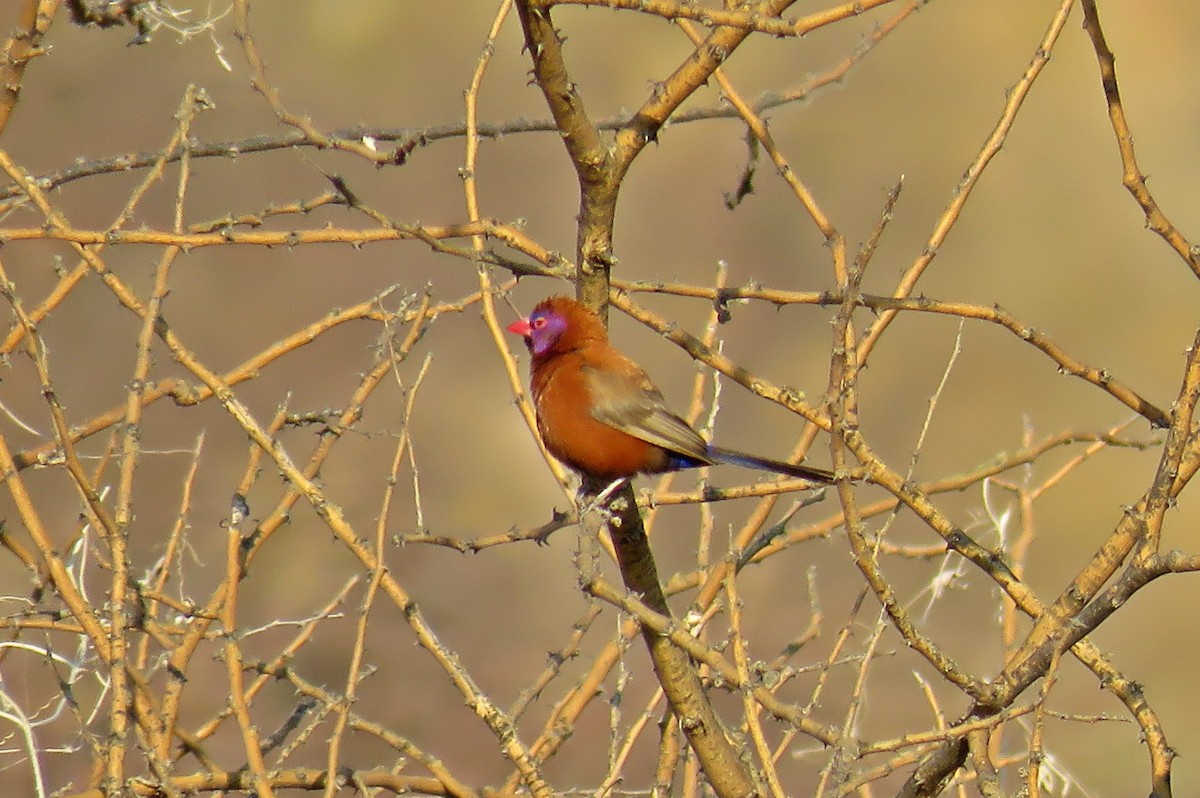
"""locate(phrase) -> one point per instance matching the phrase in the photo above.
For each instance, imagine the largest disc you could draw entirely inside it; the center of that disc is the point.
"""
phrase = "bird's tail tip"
(722, 455)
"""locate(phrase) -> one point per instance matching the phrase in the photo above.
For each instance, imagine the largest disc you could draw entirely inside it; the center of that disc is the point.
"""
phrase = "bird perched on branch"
(598, 411)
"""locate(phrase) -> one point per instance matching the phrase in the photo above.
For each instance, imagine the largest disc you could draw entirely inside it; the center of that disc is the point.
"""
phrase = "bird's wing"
(626, 400)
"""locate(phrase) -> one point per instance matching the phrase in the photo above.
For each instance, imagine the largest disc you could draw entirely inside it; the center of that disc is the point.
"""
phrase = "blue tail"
(720, 455)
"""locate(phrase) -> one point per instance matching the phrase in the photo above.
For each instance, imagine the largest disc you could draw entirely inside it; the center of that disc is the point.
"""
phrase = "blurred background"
(1050, 234)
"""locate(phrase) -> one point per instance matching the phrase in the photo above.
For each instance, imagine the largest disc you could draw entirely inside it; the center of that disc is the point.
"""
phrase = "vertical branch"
(59, 574)
(751, 708)
(335, 519)
(354, 668)
(1132, 177)
(471, 193)
(234, 665)
(194, 101)
(676, 672)
(1171, 477)
(598, 185)
(176, 542)
(22, 46)
(1139, 526)
(119, 628)
(600, 173)
(601, 169)
(303, 124)
(619, 756)
(1015, 98)
(119, 620)
(689, 76)
(758, 129)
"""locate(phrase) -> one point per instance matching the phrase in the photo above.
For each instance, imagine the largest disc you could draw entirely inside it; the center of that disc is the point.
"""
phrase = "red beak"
(521, 327)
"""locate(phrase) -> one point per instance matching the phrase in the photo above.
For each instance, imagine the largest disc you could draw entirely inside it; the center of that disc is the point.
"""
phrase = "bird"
(600, 414)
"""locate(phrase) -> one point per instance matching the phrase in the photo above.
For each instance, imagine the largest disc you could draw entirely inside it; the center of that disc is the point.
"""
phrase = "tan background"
(1051, 235)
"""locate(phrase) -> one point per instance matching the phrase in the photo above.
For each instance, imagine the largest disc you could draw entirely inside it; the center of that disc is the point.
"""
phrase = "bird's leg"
(586, 501)
(603, 496)
(599, 500)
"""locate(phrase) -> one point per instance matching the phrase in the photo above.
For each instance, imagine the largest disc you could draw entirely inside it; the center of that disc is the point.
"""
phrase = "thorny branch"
(143, 618)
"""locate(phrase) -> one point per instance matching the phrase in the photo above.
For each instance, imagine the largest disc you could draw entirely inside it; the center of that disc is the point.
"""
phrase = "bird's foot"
(589, 503)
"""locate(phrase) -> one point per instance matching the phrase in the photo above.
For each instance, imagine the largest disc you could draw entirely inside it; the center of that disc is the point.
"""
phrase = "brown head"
(559, 324)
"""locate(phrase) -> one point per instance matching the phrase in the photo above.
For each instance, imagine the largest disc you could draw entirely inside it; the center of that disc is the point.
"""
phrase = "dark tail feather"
(766, 464)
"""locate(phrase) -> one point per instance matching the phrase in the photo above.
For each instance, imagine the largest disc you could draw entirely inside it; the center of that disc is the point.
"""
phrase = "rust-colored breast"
(563, 402)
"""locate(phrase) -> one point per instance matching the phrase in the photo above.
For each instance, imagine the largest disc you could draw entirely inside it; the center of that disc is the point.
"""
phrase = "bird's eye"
(539, 322)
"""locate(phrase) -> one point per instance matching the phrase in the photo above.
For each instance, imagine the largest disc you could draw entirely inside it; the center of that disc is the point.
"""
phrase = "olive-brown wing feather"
(626, 400)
